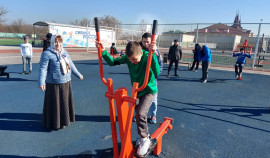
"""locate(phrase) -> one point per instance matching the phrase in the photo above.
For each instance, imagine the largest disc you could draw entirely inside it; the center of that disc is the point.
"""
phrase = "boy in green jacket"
(136, 59)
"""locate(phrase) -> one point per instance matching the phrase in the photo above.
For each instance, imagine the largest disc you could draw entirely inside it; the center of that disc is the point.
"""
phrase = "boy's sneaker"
(138, 141)
(143, 147)
(204, 81)
(153, 119)
(236, 75)
(134, 119)
(239, 78)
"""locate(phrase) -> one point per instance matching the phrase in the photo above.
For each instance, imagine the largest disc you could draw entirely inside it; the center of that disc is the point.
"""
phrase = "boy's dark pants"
(205, 65)
(176, 66)
(142, 109)
(240, 65)
(193, 64)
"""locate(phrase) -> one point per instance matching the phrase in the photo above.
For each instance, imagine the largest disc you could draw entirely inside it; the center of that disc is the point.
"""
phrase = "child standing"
(240, 63)
(136, 59)
(26, 52)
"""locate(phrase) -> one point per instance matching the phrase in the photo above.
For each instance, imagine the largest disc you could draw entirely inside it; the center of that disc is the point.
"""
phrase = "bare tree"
(85, 22)
(109, 21)
(3, 11)
(28, 29)
(75, 22)
(17, 26)
(4, 27)
(82, 22)
(41, 32)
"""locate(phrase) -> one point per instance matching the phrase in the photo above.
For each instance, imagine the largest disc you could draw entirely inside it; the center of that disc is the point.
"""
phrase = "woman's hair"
(58, 38)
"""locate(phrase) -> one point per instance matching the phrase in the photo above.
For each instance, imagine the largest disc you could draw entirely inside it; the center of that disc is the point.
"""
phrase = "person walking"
(26, 52)
(175, 54)
(55, 79)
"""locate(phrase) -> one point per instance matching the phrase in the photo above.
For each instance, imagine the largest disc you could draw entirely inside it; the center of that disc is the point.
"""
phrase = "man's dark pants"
(176, 66)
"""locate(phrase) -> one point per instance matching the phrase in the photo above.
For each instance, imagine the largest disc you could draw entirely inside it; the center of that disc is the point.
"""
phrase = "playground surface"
(223, 118)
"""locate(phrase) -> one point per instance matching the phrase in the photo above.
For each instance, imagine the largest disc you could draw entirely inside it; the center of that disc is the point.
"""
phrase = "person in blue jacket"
(55, 71)
(240, 63)
(205, 56)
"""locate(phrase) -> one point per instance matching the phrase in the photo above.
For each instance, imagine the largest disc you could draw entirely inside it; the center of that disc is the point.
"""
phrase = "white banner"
(77, 36)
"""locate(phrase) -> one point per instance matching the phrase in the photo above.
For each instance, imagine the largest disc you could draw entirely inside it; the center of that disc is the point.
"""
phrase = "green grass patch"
(16, 42)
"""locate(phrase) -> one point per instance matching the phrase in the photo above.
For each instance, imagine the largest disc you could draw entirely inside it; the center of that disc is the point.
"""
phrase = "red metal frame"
(245, 46)
(125, 107)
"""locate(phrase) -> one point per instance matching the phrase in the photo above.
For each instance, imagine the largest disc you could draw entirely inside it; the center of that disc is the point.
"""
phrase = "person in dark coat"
(196, 59)
(175, 54)
(47, 42)
(114, 51)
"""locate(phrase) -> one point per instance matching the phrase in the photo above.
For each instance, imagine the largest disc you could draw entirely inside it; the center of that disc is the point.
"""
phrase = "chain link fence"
(221, 38)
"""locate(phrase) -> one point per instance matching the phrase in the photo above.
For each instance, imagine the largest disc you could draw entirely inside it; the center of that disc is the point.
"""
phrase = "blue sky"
(132, 12)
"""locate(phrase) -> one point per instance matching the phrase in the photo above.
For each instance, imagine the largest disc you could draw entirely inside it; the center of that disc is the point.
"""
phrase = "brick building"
(225, 30)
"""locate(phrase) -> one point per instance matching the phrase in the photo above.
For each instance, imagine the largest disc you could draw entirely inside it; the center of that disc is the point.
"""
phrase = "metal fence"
(221, 38)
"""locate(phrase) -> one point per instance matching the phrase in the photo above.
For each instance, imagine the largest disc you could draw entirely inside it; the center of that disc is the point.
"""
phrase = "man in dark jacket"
(47, 42)
(175, 54)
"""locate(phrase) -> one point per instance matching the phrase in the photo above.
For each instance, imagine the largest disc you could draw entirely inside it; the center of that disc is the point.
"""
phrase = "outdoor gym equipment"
(245, 47)
(125, 108)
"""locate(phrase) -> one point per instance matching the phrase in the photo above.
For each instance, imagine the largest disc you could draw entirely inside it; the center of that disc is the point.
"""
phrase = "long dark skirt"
(58, 108)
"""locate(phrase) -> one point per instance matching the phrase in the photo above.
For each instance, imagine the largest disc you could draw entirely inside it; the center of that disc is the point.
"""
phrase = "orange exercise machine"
(125, 108)
(247, 49)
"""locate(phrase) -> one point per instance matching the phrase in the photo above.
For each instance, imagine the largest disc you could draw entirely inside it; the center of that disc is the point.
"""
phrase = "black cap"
(49, 35)
(175, 40)
(197, 46)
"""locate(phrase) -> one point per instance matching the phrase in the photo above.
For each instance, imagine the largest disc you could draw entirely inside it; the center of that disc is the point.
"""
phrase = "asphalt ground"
(222, 118)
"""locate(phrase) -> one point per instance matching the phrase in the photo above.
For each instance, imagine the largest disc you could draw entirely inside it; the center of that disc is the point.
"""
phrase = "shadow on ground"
(33, 122)
(247, 112)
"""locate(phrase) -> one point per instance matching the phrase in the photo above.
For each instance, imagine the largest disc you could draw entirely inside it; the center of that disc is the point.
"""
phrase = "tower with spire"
(237, 22)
